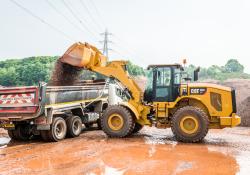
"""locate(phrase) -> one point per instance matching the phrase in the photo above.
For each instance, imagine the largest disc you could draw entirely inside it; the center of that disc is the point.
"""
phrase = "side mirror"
(196, 74)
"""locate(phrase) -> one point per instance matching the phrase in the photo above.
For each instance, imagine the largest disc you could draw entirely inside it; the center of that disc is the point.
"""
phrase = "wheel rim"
(189, 124)
(77, 127)
(115, 122)
(60, 130)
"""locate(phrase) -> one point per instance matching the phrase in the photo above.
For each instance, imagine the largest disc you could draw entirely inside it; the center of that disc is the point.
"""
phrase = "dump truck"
(51, 111)
(190, 109)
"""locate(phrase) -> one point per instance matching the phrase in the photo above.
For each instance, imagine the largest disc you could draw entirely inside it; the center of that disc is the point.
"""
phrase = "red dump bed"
(19, 100)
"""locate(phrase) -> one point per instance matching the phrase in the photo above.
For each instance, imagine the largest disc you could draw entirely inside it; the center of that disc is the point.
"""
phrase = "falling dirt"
(64, 74)
(152, 151)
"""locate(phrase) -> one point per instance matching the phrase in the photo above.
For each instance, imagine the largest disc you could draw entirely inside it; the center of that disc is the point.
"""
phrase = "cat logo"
(197, 91)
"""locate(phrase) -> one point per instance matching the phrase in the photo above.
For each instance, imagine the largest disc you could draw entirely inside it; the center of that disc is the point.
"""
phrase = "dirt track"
(152, 151)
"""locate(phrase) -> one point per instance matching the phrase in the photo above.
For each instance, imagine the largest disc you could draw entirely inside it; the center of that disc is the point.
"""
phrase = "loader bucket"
(83, 56)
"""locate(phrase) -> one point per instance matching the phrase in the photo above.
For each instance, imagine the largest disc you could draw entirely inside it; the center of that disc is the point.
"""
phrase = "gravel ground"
(152, 151)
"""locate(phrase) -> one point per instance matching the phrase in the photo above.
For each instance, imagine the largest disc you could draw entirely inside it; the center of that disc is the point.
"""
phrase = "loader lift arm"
(86, 56)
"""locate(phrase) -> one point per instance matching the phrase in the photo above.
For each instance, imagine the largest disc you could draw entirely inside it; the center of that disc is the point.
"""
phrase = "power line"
(97, 12)
(42, 20)
(119, 53)
(88, 11)
(127, 47)
(64, 16)
(78, 19)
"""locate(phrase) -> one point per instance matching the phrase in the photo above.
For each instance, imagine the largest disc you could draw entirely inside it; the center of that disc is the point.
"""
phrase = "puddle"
(152, 151)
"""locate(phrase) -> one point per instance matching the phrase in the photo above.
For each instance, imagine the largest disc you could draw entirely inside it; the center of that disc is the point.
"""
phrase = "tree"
(29, 71)
(135, 70)
(234, 66)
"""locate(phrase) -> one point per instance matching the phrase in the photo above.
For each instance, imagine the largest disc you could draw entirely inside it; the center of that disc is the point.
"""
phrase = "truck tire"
(74, 126)
(189, 124)
(44, 135)
(21, 133)
(11, 134)
(137, 128)
(57, 132)
(117, 121)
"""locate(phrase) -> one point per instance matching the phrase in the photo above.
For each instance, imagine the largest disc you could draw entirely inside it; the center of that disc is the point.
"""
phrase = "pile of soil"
(141, 81)
(244, 112)
(64, 74)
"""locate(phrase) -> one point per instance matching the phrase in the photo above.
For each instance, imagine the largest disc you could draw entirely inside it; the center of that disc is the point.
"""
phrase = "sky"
(205, 32)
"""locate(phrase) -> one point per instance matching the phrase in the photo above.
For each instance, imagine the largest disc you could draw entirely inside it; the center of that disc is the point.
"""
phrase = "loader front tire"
(117, 121)
(189, 124)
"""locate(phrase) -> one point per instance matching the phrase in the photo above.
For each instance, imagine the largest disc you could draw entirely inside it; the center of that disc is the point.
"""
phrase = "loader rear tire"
(189, 124)
(117, 121)
(74, 126)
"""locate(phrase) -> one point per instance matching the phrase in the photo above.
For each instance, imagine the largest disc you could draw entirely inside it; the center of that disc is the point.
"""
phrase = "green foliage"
(29, 71)
(232, 69)
(135, 70)
(234, 66)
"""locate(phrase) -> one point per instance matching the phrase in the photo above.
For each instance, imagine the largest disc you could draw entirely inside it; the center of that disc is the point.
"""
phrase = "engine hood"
(210, 85)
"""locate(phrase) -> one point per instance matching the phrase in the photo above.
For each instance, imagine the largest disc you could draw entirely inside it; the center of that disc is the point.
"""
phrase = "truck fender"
(131, 108)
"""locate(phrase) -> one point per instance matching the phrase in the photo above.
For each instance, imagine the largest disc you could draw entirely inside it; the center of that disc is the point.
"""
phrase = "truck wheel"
(57, 132)
(44, 135)
(137, 128)
(21, 132)
(11, 134)
(189, 124)
(117, 121)
(74, 126)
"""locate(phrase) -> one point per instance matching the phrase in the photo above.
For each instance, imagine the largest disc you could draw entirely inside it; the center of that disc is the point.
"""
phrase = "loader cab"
(166, 82)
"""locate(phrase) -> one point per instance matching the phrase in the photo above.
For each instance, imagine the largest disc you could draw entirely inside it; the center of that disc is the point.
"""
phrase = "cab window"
(163, 82)
(177, 76)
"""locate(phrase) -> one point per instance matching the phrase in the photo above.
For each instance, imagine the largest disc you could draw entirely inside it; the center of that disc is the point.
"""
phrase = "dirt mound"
(244, 112)
(141, 81)
(64, 74)
(242, 87)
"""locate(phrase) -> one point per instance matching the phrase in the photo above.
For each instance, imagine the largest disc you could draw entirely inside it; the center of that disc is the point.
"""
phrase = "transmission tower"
(105, 42)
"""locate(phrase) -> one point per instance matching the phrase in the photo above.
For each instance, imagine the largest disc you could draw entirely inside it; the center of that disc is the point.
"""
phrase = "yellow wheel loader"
(190, 109)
